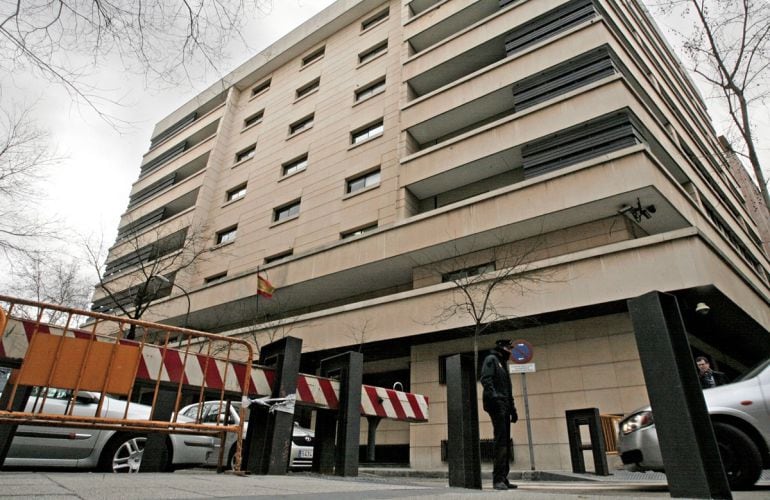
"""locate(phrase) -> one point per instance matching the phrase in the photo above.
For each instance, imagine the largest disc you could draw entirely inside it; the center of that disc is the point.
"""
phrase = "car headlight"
(636, 421)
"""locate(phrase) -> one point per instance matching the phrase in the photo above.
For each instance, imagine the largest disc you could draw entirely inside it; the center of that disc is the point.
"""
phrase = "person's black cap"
(504, 343)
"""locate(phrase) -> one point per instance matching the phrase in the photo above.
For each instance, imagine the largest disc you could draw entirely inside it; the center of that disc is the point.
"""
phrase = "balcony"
(442, 23)
(511, 32)
(167, 182)
(162, 156)
(134, 225)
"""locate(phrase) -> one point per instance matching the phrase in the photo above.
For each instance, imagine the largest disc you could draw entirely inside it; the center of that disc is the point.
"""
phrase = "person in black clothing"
(708, 377)
(498, 403)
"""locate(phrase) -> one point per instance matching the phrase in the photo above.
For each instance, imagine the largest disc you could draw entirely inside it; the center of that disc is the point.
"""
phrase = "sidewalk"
(199, 483)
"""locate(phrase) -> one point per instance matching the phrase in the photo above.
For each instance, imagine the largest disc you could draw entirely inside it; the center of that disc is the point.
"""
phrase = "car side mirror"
(85, 398)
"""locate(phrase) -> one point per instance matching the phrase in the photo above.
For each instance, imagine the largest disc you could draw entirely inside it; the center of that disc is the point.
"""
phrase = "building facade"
(387, 156)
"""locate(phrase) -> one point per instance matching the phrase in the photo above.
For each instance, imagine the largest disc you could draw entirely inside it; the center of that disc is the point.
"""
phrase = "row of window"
(352, 185)
(358, 136)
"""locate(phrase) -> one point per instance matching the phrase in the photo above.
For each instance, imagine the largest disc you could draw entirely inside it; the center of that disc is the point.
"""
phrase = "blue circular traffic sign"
(521, 352)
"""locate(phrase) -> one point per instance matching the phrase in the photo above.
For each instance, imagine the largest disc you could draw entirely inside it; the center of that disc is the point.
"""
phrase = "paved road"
(305, 486)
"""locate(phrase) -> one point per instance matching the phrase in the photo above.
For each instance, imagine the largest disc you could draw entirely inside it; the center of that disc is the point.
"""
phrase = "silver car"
(740, 414)
(213, 413)
(105, 450)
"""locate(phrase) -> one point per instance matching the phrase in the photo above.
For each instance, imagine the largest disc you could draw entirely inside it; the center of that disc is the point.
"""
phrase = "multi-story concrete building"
(384, 150)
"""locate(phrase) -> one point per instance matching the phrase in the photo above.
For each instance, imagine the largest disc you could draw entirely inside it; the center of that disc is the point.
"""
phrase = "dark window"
(370, 54)
(286, 211)
(236, 193)
(366, 133)
(294, 166)
(363, 181)
(308, 88)
(371, 21)
(253, 119)
(279, 256)
(260, 88)
(215, 278)
(246, 154)
(468, 272)
(300, 125)
(313, 56)
(359, 231)
(370, 90)
(227, 235)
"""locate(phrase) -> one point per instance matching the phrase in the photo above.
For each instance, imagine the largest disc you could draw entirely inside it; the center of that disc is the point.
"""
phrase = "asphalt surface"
(202, 483)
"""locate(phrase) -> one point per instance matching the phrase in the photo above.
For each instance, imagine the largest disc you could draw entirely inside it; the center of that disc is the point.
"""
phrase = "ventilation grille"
(173, 129)
(152, 190)
(141, 223)
(163, 158)
(560, 79)
(579, 143)
(548, 25)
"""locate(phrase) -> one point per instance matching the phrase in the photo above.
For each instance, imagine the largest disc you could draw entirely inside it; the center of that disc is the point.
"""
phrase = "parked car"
(213, 412)
(105, 450)
(740, 415)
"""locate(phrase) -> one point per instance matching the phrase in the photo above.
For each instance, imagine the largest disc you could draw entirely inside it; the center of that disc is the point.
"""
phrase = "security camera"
(702, 308)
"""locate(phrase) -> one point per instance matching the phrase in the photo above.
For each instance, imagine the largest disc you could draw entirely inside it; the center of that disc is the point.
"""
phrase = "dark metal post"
(462, 423)
(8, 431)
(371, 437)
(325, 435)
(155, 455)
(348, 368)
(591, 418)
(268, 439)
(687, 443)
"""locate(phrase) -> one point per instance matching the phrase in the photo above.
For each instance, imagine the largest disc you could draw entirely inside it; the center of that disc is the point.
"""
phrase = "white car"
(105, 450)
(213, 413)
(740, 415)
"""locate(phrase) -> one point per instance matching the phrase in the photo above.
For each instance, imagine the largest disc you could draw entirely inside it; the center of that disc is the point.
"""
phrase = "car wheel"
(740, 456)
(123, 453)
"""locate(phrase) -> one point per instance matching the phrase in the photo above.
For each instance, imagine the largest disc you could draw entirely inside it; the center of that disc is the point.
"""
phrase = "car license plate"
(305, 453)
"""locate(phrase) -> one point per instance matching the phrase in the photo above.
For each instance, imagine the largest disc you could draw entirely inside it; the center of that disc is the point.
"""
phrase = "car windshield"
(754, 371)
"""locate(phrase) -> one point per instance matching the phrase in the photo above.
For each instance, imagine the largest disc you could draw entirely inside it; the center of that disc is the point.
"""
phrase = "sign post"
(521, 355)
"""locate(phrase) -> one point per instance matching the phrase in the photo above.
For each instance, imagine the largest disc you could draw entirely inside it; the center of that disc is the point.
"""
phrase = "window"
(371, 21)
(236, 193)
(253, 119)
(286, 212)
(370, 90)
(370, 54)
(308, 88)
(246, 154)
(227, 235)
(261, 88)
(215, 278)
(279, 256)
(468, 272)
(300, 125)
(359, 231)
(313, 57)
(363, 181)
(294, 166)
(366, 133)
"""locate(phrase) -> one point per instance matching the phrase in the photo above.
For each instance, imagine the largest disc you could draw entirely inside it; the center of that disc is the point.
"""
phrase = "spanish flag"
(264, 288)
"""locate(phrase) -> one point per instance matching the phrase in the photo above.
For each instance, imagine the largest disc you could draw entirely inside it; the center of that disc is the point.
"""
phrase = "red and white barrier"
(189, 368)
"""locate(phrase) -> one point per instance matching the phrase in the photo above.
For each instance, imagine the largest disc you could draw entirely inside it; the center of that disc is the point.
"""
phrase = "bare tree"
(24, 158)
(166, 40)
(486, 282)
(53, 279)
(147, 269)
(728, 45)
(358, 332)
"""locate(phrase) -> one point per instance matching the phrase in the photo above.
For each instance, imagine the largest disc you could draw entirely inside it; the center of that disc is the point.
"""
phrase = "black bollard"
(687, 443)
(462, 423)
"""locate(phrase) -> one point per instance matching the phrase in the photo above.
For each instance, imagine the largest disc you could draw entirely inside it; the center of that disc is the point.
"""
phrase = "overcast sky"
(89, 189)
